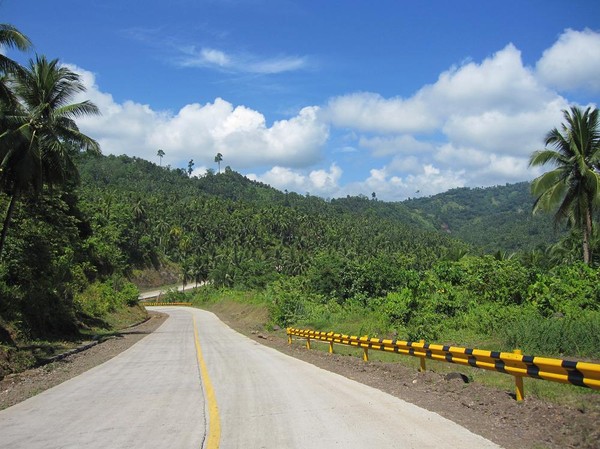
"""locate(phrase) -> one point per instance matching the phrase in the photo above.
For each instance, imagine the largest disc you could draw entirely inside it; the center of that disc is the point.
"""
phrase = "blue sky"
(333, 98)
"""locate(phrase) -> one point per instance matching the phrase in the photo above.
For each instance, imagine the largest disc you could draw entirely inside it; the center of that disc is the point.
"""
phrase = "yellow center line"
(214, 422)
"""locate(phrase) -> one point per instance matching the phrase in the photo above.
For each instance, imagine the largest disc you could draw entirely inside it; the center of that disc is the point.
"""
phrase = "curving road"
(231, 392)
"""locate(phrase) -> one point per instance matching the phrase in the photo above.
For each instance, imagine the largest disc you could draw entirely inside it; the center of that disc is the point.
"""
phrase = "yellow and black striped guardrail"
(166, 303)
(583, 374)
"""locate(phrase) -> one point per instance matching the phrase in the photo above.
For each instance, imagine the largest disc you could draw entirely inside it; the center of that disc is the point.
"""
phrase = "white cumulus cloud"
(320, 182)
(477, 124)
(199, 131)
(573, 62)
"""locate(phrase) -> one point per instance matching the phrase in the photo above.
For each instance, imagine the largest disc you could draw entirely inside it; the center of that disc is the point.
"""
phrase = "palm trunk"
(7, 220)
(587, 234)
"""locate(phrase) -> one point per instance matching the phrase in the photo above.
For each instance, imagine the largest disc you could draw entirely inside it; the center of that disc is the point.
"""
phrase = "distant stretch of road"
(241, 395)
(158, 292)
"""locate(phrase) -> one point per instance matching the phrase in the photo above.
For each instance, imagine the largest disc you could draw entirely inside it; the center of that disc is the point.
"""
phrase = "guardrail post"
(289, 339)
(307, 343)
(331, 347)
(366, 354)
(422, 366)
(519, 388)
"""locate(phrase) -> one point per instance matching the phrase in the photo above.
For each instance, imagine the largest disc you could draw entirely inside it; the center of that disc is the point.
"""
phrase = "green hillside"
(225, 220)
(495, 218)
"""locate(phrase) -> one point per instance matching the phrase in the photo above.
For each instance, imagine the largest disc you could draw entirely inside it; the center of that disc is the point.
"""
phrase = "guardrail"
(583, 374)
(165, 303)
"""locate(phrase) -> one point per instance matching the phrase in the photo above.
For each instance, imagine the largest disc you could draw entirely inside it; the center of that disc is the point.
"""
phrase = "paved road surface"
(151, 396)
(161, 291)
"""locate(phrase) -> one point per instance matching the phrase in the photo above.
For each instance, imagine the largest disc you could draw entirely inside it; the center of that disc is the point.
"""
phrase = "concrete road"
(251, 396)
(157, 293)
(149, 396)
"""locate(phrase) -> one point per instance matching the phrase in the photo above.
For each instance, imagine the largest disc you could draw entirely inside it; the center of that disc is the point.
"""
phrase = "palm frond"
(78, 110)
(11, 37)
(542, 157)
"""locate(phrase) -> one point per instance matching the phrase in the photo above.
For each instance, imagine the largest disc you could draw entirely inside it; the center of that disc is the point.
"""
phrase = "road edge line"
(214, 421)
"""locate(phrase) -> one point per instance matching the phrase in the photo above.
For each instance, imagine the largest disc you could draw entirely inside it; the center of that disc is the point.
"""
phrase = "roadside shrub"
(566, 289)
(426, 325)
(400, 306)
(491, 319)
(174, 295)
(287, 300)
(504, 281)
(101, 298)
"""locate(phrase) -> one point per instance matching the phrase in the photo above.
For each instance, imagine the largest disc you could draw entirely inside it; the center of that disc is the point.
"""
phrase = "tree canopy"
(572, 187)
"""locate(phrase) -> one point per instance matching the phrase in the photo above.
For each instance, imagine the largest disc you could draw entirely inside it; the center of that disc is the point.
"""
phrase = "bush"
(287, 300)
(567, 289)
(400, 306)
(174, 295)
(489, 279)
(101, 298)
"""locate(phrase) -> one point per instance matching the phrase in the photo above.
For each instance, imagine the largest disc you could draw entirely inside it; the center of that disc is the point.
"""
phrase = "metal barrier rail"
(583, 374)
(166, 303)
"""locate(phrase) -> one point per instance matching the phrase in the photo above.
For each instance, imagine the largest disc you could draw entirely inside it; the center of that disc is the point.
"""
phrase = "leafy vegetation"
(493, 219)
(50, 285)
(573, 186)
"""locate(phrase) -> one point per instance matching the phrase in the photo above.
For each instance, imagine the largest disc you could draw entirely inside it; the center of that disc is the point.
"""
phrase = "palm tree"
(10, 37)
(41, 138)
(572, 188)
(218, 159)
(160, 154)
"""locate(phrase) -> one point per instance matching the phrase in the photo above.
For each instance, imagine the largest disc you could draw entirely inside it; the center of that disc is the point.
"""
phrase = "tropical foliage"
(40, 137)
(572, 188)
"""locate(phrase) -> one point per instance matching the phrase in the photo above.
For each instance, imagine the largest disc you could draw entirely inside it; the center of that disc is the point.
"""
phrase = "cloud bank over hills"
(476, 125)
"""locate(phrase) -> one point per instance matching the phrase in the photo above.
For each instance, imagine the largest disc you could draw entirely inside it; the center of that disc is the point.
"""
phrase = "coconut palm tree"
(572, 188)
(40, 137)
(218, 160)
(10, 37)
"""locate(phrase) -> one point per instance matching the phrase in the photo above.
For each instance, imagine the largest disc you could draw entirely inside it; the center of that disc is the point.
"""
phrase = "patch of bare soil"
(491, 413)
(15, 388)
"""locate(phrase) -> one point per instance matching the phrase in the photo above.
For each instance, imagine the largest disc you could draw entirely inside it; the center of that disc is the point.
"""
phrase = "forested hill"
(494, 219)
(233, 230)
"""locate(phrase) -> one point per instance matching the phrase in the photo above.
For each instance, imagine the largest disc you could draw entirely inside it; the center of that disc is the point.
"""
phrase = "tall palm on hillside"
(10, 37)
(218, 160)
(572, 188)
(40, 137)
